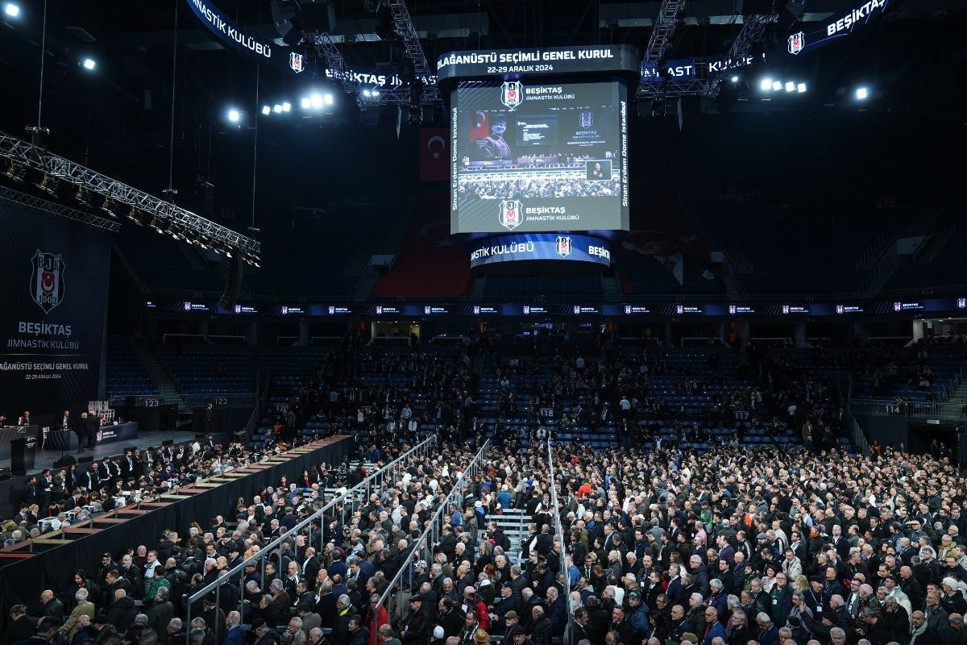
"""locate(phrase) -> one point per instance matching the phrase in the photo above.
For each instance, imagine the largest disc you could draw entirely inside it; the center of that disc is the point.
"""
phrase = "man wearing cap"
(638, 617)
(817, 598)
(263, 633)
(511, 626)
(416, 628)
(521, 637)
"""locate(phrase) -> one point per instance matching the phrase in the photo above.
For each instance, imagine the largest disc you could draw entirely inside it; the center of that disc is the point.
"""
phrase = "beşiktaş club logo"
(511, 94)
(563, 246)
(47, 286)
(295, 62)
(510, 214)
(587, 119)
(796, 43)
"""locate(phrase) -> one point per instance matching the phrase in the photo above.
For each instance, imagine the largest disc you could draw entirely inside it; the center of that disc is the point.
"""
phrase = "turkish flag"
(434, 154)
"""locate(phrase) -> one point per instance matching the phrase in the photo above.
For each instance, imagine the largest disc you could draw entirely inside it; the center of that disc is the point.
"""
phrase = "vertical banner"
(53, 284)
(434, 154)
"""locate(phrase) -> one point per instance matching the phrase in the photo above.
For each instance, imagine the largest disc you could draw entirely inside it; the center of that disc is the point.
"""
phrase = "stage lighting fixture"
(266, 110)
(801, 88)
(306, 103)
(776, 85)
(11, 10)
(16, 172)
(316, 100)
(48, 184)
(157, 224)
(234, 116)
(135, 216)
(89, 64)
(735, 79)
(108, 206)
(765, 84)
(83, 196)
(286, 106)
(790, 86)
(277, 108)
(862, 93)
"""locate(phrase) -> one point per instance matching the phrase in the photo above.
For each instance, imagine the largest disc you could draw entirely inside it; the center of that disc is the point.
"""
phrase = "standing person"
(93, 425)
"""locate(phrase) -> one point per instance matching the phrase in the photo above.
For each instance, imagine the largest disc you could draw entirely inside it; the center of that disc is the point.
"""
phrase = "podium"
(23, 455)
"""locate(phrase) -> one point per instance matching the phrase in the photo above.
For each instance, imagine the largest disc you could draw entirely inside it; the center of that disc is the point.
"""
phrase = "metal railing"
(559, 534)
(358, 493)
(952, 410)
(422, 549)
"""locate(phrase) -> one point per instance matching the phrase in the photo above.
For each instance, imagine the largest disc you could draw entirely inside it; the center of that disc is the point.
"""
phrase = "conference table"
(61, 440)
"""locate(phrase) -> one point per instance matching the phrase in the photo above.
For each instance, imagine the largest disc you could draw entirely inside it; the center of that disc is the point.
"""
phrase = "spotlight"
(135, 215)
(108, 206)
(328, 99)
(801, 88)
(316, 100)
(862, 93)
(735, 79)
(306, 103)
(790, 86)
(765, 84)
(286, 106)
(11, 10)
(157, 224)
(16, 172)
(266, 110)
(89, 64)
(776, 85)
(277, 109)
(83, 196)
(49, 185)
(234, 116)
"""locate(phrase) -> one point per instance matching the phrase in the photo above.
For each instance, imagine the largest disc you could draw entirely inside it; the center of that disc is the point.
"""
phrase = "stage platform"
(47, 458)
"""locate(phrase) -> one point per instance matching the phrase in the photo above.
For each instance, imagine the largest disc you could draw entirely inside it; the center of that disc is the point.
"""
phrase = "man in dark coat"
(416, 629)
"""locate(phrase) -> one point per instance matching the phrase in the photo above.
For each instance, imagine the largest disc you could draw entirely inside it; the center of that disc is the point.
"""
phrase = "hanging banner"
(228, 32)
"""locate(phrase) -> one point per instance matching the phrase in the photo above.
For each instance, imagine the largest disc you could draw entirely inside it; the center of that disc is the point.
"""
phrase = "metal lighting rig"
(191, 227)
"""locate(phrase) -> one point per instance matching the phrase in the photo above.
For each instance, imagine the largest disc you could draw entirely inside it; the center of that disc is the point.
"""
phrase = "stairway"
(611, 288)
(156, 370)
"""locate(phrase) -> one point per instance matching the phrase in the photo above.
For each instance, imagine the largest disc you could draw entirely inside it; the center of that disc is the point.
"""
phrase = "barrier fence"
(343, 504)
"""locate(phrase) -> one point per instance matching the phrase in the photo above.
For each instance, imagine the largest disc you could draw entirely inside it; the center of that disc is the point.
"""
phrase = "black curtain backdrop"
(24, 579)
(53, 285)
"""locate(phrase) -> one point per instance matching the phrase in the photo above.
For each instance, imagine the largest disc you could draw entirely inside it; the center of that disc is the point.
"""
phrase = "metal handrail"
(418, 451)
(952, 410)
(431, 533)
(559, 530)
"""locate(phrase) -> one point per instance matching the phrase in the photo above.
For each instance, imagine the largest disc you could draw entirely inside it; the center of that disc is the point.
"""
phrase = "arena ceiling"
(914, 57)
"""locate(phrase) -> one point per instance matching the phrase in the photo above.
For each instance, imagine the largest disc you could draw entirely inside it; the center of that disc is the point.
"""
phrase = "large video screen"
(530, 157)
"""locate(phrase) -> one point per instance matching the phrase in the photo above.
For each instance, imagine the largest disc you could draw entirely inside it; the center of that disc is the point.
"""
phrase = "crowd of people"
(732, 545)
(546, 187)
